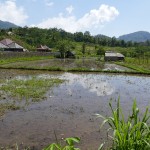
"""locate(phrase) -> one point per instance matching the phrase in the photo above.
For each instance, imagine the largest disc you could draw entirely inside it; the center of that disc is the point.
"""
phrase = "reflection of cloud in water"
(101, 89)
(91, 82)
(94, 83)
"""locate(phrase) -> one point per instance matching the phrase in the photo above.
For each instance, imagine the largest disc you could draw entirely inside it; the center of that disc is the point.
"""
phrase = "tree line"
(62, 40)
(35, 36)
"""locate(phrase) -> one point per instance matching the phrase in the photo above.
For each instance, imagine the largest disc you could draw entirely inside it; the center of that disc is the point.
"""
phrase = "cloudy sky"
(108, 17)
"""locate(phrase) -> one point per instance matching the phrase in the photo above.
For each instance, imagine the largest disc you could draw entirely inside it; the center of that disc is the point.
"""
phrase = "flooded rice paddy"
(66, 64)
(69, 109)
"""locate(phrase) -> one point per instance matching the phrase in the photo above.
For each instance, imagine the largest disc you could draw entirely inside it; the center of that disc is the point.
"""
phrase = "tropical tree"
(100, 52)
(64, 46)
(83, 49)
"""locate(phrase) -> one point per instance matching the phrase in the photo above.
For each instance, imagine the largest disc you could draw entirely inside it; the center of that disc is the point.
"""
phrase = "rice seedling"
(34, 88)
(130, 134)
(70, 144)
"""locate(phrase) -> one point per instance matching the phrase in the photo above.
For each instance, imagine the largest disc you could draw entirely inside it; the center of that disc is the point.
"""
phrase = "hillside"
(140, 36)
(102, 36)
(7, 25)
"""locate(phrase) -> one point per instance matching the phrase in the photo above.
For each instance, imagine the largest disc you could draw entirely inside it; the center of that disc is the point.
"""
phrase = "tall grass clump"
(132, 133)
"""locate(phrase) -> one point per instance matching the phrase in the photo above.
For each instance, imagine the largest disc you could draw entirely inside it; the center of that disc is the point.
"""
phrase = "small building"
(14, 47)
(70, 54)
(9, 45)
(43, 49)
(112, 56)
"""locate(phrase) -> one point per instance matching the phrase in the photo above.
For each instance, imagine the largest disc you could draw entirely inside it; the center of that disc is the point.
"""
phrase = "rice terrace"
(73, 83)
(35, 104)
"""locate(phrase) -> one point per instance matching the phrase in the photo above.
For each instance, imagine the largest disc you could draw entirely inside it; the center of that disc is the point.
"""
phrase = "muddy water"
(69, 108)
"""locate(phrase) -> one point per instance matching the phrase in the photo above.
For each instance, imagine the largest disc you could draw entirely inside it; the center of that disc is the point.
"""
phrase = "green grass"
(34, 88)
(132, 133)
(70, 144)
(141, 65)
(24, 92)
(134, 71)
(77, 65)
(22, 59)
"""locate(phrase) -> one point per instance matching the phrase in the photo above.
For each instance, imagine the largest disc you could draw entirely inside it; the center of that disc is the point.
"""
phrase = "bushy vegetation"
(141, 65)
(81, 43)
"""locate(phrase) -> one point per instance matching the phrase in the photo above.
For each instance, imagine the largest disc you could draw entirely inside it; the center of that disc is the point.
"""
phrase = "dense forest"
(82, 43)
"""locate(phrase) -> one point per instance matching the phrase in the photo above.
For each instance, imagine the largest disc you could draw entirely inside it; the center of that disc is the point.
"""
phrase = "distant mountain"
(102, 36)
(140, 36)
(7, 25)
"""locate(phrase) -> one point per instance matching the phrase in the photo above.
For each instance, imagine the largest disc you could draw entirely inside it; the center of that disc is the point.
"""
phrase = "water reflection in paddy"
(70, 108)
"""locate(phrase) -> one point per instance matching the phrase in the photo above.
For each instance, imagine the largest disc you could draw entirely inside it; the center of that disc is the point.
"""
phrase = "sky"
(108, 17)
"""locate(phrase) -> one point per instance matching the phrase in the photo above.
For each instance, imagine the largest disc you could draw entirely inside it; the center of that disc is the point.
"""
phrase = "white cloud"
(69, 9)
(48, 3)
(94, 19)
(9, 11)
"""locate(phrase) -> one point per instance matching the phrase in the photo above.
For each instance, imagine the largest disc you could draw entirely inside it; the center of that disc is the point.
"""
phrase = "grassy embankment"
(26, 64)
(78, 65)
(140, 65)
(4, 61)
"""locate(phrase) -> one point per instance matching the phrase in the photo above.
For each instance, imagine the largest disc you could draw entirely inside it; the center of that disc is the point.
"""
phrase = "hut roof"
(14, 45)
(6, 41)
(3, 46)
(112, 54)
(44, 47)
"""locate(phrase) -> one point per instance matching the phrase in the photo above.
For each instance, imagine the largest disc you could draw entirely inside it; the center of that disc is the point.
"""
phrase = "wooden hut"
(43, 49)
(70, 54)
(9, 45)
(112, 56)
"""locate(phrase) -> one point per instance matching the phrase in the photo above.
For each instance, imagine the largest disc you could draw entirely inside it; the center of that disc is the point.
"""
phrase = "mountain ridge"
(139, 36)
(7, 25)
